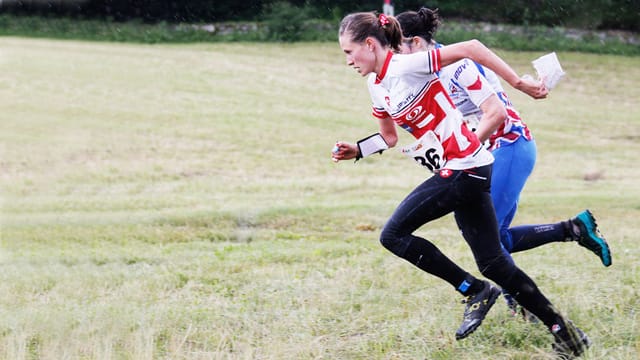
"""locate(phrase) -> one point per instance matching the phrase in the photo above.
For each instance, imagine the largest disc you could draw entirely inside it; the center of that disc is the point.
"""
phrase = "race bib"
(426, 151)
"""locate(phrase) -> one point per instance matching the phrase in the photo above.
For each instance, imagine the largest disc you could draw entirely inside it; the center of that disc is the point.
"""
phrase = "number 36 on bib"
(426, 151)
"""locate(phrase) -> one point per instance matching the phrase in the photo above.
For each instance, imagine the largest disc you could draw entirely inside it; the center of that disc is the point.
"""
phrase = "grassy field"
(179, 202)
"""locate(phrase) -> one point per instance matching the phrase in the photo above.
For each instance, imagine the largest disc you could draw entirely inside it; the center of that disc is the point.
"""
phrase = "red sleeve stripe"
(434, 60)
(379, 113)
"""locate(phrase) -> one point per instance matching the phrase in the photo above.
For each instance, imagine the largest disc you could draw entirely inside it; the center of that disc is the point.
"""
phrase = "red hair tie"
(383, 19)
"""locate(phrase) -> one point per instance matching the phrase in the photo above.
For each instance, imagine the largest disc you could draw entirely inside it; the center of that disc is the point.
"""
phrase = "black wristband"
(358, 154)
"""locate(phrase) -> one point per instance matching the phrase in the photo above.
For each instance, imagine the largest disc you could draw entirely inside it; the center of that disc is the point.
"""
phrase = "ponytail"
(423, 23)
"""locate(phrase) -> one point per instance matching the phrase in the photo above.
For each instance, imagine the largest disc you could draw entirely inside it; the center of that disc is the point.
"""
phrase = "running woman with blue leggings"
(477, 92)
(406, 92)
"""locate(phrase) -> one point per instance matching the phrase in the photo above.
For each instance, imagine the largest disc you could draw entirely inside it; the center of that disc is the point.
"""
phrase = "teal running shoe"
(590, 236)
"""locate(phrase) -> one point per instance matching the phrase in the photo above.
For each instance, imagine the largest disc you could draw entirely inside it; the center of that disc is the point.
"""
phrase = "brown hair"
(423, 23)
(386, 29)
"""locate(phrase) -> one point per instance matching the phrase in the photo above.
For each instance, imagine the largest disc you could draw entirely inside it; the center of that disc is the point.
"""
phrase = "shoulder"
(462, 68)
(412, 62)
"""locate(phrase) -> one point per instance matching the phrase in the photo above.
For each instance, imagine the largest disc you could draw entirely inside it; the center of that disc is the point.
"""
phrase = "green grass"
(179, 202)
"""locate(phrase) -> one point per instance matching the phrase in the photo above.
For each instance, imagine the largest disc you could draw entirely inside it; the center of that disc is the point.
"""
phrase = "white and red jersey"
(469, 85)
(408, 91)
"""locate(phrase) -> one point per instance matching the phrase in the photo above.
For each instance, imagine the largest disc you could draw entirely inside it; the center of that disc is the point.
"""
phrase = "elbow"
(494, 111)
(391, 140)
(474, 43)
(477, 51)
(475, 46)
(498, 116)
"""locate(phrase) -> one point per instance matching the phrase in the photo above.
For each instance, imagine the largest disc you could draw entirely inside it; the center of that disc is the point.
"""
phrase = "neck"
(381, 56)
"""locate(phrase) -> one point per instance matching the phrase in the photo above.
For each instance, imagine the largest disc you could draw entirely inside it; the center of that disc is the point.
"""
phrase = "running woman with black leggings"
(406, 92)
(477, 92)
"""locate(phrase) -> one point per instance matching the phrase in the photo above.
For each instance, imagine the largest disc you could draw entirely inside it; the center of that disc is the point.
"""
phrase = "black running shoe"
(477, 307)
(591, 238)
(570, 341)
(516, 309)
(512, 304)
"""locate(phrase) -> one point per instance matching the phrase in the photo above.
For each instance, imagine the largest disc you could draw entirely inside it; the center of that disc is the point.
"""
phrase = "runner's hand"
(534, 88)
(343, 151)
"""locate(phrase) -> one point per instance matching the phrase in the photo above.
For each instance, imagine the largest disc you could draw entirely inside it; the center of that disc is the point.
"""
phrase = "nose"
(349, 61)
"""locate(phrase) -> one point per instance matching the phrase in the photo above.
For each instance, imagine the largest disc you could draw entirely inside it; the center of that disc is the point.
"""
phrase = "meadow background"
(179, 202)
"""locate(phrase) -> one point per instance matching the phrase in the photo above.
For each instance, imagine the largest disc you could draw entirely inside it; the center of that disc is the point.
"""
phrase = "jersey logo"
(459, 70)
(415, 113)
(476, 85)
(445, 173)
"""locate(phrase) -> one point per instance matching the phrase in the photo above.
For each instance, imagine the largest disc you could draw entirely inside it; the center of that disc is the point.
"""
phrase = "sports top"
(469, 84)
(408, 90)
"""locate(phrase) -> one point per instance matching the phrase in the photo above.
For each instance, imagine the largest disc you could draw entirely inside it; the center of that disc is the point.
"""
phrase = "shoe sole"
(592, 241)
(495, 292)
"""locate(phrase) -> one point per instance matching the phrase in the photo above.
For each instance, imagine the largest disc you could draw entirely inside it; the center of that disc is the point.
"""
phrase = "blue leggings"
(512, 166)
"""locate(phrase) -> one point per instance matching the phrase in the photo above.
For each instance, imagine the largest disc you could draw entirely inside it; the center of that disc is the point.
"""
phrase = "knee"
(391, 239)
(499, 268)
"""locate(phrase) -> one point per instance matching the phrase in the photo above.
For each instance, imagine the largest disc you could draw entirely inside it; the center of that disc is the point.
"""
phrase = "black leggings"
(466, 193)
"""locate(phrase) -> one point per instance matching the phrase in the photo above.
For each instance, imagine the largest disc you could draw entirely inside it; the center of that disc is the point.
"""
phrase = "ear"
(370, 43)
(417, 41)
